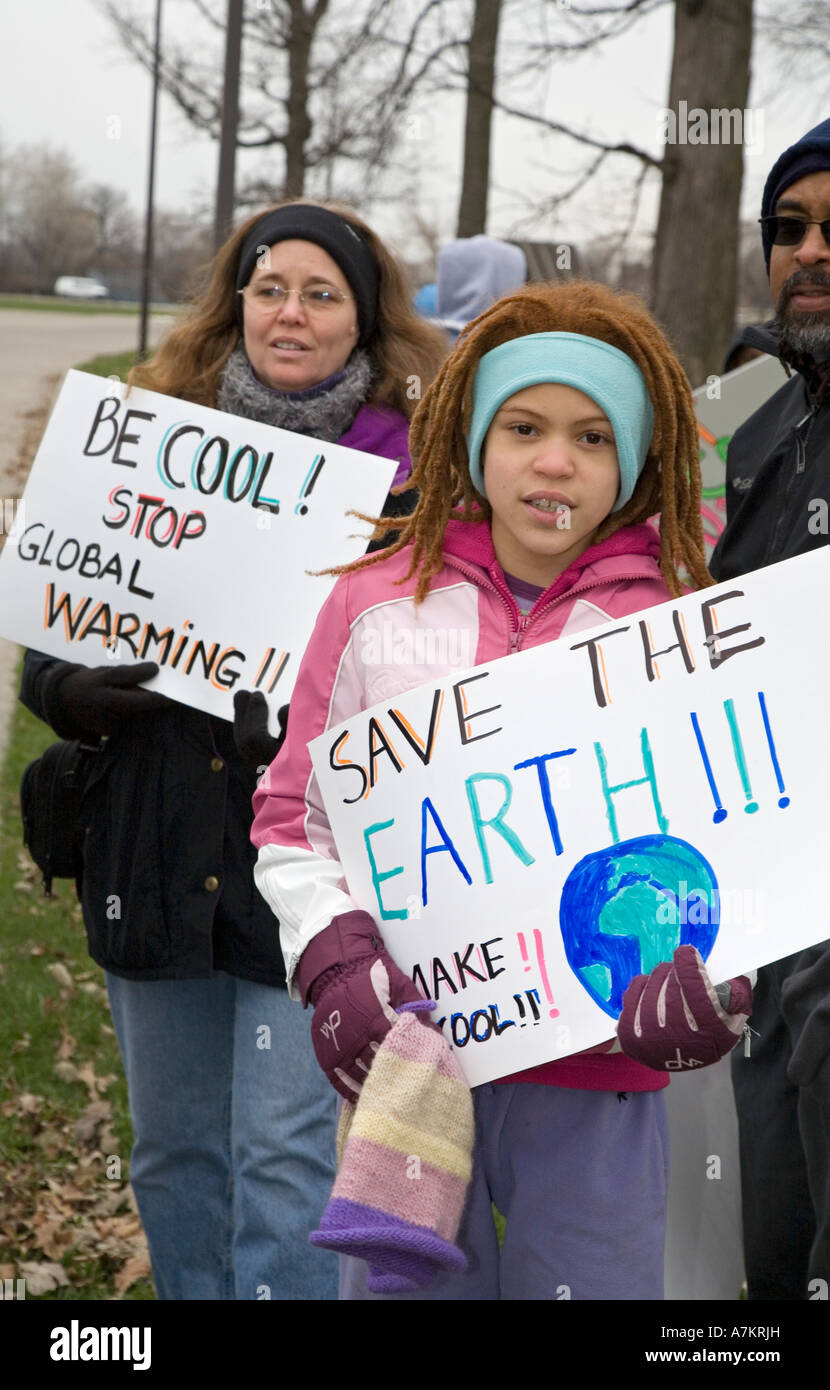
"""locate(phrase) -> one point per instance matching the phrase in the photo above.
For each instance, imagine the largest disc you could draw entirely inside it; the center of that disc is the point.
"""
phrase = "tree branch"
(622, 147)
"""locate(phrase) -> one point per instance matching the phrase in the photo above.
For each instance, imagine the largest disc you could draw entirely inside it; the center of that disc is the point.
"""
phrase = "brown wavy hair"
(406, 351)
(670, 482)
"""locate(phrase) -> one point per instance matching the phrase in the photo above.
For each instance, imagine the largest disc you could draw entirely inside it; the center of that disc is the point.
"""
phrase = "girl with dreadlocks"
(560, 423)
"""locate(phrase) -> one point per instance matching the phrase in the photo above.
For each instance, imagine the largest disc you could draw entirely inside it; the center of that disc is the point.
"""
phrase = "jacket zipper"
(801, 440)
(802, 433)
(517, 633)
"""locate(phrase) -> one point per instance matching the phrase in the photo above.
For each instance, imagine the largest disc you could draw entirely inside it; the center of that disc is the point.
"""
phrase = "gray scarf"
(325, 411)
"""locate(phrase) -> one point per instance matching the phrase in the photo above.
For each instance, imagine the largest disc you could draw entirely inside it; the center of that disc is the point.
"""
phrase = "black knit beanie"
(809, 155)
(342, 241)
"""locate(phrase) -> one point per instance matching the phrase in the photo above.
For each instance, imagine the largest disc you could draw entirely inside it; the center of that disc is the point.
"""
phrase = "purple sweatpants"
(581, 1178)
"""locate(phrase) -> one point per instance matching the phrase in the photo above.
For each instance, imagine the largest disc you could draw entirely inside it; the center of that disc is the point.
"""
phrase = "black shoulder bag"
(51, 791)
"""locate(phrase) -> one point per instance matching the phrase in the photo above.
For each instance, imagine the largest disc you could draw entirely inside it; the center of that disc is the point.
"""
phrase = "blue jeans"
(233, 1159)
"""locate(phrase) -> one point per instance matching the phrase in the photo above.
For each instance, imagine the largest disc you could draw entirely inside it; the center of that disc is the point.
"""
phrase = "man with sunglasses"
(778, 486)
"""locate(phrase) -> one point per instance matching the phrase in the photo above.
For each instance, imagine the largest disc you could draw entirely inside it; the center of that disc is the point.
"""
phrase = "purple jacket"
(378, 429)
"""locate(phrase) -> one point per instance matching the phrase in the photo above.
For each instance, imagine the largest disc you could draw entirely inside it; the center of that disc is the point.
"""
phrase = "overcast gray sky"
(66, 82)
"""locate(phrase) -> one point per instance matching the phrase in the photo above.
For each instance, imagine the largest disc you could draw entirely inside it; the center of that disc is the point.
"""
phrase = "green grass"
(44, 1023)
(75, 306)
(58, 1055)
(29, 919)
(110, 364)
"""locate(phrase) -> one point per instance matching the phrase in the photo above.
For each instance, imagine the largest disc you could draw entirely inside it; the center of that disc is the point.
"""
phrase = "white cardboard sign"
(532, 834)
(156, 530)
(722, 406)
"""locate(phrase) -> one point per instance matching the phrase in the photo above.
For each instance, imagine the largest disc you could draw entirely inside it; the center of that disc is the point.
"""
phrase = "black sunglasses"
(791, 231)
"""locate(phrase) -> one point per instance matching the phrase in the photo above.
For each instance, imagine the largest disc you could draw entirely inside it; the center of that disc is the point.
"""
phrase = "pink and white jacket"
(370, 643)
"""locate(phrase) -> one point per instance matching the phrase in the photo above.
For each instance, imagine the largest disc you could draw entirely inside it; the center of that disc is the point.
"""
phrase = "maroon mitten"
(355, 987)
(673, 1017)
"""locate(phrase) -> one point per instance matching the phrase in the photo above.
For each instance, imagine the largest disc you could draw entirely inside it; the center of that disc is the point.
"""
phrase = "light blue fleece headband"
(604, 373)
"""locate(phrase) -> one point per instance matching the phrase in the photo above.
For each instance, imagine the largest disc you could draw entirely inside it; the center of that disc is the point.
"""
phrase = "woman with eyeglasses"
(305, 323)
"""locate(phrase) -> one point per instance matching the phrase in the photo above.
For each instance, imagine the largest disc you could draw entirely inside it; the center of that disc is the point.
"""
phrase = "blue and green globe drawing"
(629, 906)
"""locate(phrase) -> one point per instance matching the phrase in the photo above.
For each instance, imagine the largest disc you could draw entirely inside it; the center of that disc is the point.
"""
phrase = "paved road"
(37, 347)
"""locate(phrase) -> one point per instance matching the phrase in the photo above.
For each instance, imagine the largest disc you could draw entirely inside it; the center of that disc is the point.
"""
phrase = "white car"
(80, 287)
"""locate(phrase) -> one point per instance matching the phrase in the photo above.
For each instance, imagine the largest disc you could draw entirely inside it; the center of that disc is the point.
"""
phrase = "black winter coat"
(168, 889)
(168, 886)
(777, 482)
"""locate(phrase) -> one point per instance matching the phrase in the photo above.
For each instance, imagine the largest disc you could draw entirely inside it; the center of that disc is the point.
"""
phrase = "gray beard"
(810, 334)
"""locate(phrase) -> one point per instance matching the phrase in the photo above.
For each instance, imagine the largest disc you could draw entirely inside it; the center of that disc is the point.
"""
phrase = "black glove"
(255, 745)
(79, 700)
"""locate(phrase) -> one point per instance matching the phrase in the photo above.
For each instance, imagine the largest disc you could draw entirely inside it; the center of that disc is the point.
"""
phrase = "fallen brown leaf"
(112, 1201)
(94, 1084)
(66, 1071)
(66, 1047)
(67, 1192)
(86, 1125)
(53, 1238)
(61, 975)
(124, 1226)
(42, 1277)
(136, 1268)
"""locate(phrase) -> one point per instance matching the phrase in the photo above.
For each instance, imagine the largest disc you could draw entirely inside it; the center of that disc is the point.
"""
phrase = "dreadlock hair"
(669, 482)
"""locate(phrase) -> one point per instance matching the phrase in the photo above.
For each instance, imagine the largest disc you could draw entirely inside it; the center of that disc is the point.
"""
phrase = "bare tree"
(116, 237)
(694, 275)
(481, 68)
(47, 220)
(693, 286)
(329, 84)
(799, 31)
(560, 34)
(183, 247)
(326, 85)
(753, 280)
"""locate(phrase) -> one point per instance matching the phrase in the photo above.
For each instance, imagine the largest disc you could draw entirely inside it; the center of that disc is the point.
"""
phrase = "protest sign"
(721, 406)
(532, 833)
(156, 530)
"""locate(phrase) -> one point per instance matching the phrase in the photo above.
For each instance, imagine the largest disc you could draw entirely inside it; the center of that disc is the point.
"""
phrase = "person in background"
(472, 273)
(305, 322)
(781, 458)
(751, 341)
(426, 300)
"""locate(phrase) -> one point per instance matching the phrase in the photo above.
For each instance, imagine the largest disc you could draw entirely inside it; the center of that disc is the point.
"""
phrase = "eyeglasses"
(791, 231)
(321, 299)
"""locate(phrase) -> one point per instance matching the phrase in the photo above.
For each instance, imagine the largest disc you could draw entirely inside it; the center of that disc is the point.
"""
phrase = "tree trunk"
(226, 179)
(298, 130)
(694, 272)
(472, 209)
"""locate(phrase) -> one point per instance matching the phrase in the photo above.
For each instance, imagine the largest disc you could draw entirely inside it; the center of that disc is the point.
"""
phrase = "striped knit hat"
(404, 1156)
